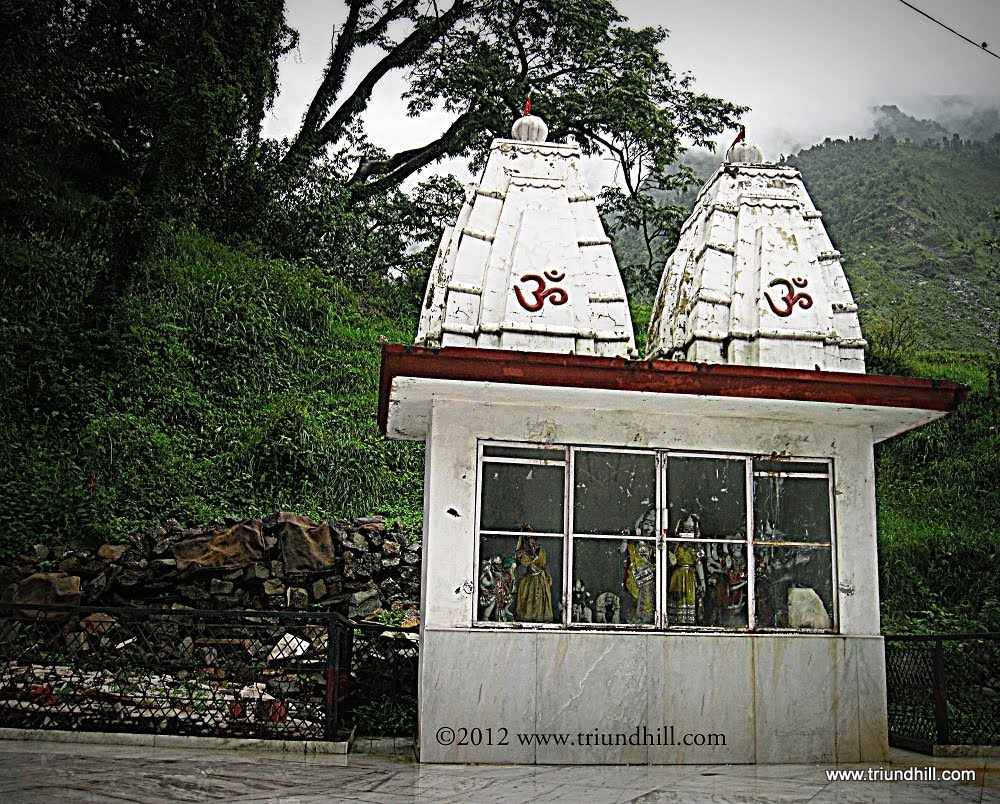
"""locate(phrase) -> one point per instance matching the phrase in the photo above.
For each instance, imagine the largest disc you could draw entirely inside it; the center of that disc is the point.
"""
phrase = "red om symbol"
(791, 297)
(540, 294)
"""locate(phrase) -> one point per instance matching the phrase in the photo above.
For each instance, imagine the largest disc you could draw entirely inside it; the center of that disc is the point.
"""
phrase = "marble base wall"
(548, 697)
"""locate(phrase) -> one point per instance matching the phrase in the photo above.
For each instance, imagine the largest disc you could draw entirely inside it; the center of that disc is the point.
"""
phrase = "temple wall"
(775, 697)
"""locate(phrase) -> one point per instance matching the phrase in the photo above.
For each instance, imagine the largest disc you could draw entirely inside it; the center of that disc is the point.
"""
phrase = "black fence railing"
(943, 690)
(272, 675)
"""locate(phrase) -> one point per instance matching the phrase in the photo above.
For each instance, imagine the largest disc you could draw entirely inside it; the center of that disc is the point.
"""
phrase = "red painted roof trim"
(659, 376)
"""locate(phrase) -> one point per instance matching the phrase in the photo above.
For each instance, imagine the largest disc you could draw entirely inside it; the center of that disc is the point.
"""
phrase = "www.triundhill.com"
(665, 735)
(926, 774)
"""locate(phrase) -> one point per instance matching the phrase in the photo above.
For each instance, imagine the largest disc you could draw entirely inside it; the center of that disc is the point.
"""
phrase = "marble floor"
(384, 773)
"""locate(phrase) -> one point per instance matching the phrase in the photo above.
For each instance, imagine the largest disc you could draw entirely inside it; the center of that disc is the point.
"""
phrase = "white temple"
(661, 561)
(528, 264)
(754, 279)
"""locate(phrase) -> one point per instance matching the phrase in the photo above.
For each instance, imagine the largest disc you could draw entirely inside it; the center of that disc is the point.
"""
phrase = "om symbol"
(540, 294)
(791, 297)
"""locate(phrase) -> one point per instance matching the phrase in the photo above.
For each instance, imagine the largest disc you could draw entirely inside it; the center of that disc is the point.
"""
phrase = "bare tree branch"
(333, 78)
(402, 165)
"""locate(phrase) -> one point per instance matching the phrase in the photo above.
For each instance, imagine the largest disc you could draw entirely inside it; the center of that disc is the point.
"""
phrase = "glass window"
(612, 491)
(519, 497)
(794, 587)
(791, 509)
(711, 490)
(724, 602)
(614, 581)
(520, 579)
(654, 539)
(529, 453)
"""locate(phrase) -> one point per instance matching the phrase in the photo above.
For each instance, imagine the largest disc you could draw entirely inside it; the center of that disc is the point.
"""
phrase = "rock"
(77, 642)
(48, 589)
(130, 576)
(219, 587)
(369, 520)
(391, 548)
(42, 552)
(388, 562)
(364, 604)
(111, 552)
(411, 557)
(163, 565)
(367, 565)
(71, 565)
(352, 541)
(258, 572)
(274, 586)
(232, 575)
(318, 589)
(389, 588)
(192, 592)
(297, 598)
(172, 525)
(333, 587)
(98, 623)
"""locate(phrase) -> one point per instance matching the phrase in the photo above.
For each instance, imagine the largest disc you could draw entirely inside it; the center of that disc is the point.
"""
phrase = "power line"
(977, 45)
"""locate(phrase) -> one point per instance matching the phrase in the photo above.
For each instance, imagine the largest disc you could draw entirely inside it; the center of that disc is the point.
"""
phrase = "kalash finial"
(744, 152)
(529, 127)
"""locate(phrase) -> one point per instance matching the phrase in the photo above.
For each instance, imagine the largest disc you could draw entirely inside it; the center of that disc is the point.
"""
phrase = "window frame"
(562, 599)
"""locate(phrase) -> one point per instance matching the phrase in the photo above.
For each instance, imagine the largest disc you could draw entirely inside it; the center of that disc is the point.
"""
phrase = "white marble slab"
(591, 687)
(701, 685)
(794, 698)
(477, 680)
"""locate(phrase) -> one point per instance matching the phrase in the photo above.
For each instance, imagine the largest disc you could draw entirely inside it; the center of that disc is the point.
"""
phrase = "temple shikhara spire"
(528, 265)
(755, 279)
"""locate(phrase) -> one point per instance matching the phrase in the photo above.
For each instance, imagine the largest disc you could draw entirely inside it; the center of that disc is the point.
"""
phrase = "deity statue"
(640, 569)
(687, 576)
(496, 589)
(534, 588)
(736, 583)
(582, 610)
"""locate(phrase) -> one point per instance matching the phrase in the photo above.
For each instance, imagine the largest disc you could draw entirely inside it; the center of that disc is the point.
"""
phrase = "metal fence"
(943, 690)
(275, 675)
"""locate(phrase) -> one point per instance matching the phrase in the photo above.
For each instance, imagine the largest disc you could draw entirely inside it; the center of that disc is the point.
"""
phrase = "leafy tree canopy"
(588, 74)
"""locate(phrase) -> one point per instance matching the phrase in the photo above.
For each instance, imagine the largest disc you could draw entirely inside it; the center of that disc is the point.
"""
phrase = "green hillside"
(908, 220)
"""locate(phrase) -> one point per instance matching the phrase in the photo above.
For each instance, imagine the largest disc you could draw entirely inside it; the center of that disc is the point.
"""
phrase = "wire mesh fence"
(273, 675)
(943, 690)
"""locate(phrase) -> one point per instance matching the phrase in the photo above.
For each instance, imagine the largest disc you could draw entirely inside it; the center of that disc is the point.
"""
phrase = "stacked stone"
(283, 561)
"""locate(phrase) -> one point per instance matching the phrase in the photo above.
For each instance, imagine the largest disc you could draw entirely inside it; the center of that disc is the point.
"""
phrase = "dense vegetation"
(193, 314)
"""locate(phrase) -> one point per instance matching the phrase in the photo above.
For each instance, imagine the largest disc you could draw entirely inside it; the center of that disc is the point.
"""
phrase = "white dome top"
(745, 152)
(529, 128)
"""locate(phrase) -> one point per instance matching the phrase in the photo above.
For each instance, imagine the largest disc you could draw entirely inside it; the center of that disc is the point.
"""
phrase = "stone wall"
(283, 561)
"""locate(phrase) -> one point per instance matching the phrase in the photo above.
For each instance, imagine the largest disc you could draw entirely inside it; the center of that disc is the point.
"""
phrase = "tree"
(588, 75)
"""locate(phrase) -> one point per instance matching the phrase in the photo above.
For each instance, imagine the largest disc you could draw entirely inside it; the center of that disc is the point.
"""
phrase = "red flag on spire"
(527, 106)
(741, 136)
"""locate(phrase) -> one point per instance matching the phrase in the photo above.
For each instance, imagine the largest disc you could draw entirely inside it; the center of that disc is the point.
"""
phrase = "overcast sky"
(808, 68)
